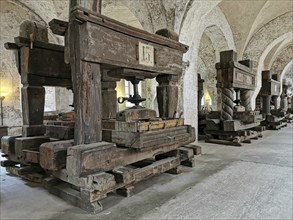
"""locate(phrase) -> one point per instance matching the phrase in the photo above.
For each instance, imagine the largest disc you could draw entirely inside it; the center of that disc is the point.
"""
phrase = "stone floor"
(251, 182)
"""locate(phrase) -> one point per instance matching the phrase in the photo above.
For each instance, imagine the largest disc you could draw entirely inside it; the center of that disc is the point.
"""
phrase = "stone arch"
(259, 66)
(12, 14)
(151, 14)
(287, 73)
(282, 59)
(264, 40)
(213, 22)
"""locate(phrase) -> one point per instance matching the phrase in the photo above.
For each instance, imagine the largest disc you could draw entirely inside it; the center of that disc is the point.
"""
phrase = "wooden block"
(8, 163)
(59, 132)
(90, 158)
(185, 153)
(153, 139)
(43, 62)
(34, 31)
(33, 101)
(176, 170)
(31, 156)
(126, 191)
(196, 149)
(188, 163)
(123, 175)
(157, 167)
(77, 198)
(58, 27)
(109, 102)
(8, 144)
(213, 124)
(28, 143)
(129, 115)
(53, 154)
(33, 130)
(3, 132)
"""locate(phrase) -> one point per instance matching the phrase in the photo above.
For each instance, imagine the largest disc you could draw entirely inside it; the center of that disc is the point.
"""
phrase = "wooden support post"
(86, 80)
(33, 97)
(109, 96)
(266, 106)
(167, 95)
(33, 101)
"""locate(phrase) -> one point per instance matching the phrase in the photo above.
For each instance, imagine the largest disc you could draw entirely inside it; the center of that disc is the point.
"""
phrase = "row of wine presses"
(236, 123)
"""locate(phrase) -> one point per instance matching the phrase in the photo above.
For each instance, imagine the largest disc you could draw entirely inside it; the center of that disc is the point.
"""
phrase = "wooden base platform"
(87, 191)
(235, 138)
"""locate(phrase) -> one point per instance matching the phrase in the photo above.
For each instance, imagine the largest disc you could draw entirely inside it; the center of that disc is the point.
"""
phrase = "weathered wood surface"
(152, 139)
(248, 117)
(90, 158)
(270, 87)
(59, 132)
(40, 66)
(24, 143)
(82, 159)
(101, 31)
(141, 126)
(58, 27)
(125, 73)
(33, 174)
(86, 78)
(233, 74)
(33, 130)
(53, 154)
(237, 125)
(7, 144)
(88, 198)
(136, 114)
(167, 95)
(33, 31)
(33, 101)
(109, 96)
(32, 156)
(74, 197)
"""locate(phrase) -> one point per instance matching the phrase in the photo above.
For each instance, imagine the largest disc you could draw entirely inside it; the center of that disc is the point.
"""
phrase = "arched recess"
(151, 14)
(279, 50)
(12, 13)
(287, 73)
(214, 22)
(281, 61)
(259, 66)
(264, 40)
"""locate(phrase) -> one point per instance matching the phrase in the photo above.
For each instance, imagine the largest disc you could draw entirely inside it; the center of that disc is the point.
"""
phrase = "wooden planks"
(40, 66)
(103, 156)
(23, 143)
(53, 154)
(141, 126)
(152, 139)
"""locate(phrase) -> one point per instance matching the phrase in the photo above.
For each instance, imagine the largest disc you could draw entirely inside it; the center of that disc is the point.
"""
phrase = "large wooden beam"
(98, 157)
(86, 80)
